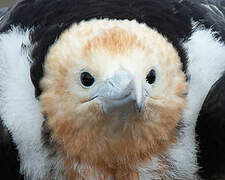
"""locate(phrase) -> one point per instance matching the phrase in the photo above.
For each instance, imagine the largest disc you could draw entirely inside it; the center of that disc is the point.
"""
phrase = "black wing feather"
(210, 131)
(214, 4)
(9, 160)
(172, 18)
(50, 18)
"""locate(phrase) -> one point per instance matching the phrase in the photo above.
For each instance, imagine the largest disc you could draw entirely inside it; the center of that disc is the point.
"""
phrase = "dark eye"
(151, 77)
(87, 79)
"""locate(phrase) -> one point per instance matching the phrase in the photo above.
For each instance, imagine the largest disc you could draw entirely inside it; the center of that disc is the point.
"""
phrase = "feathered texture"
(19, 109)
(172, 20)
(204, 68)
(24, 120)
(113, 146)
(9, 154)
(48, 19)
(210, 133)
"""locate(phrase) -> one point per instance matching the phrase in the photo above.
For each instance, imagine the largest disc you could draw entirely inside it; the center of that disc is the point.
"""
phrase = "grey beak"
(120, 91)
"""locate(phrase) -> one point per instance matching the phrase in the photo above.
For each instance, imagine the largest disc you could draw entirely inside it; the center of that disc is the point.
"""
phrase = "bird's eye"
(87, 80)
(151, 77)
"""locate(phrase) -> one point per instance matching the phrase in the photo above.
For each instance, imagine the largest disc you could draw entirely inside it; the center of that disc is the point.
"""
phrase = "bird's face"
(113, 93)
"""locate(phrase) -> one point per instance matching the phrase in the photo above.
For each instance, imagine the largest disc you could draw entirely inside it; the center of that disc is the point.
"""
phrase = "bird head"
(113, 93)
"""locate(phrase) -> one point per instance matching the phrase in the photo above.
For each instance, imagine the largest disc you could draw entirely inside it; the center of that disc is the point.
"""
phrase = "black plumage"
(8, 155)
(211, 133)
(210, 127)
(172, 18)
(51, 18)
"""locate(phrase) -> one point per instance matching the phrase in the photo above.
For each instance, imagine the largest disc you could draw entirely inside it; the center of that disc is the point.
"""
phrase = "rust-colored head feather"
(97, 139)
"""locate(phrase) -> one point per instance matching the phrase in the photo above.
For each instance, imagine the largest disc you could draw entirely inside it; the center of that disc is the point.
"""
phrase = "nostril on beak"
(122, 91)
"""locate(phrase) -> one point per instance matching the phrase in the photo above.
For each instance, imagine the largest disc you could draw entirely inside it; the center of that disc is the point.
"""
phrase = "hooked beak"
(120, 91)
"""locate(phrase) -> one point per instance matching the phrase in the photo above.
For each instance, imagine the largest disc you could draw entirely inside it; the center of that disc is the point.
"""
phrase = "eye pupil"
(151, 77)
(87, 79)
